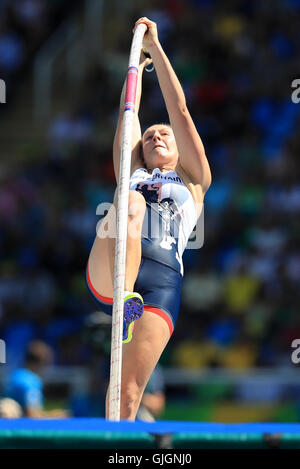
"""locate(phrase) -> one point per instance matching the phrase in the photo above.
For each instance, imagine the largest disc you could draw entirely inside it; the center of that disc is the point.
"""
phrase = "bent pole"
(122, 216)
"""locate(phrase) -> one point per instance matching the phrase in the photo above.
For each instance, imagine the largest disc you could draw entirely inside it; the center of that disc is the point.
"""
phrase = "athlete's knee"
(136, 213)
(134, 197)
(136, 203)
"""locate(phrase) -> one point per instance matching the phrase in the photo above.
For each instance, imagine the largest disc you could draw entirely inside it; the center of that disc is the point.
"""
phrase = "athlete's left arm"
(192, 155)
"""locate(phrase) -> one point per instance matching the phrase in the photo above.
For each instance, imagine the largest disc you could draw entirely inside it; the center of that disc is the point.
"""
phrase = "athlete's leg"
(101, 260)
(140, 356)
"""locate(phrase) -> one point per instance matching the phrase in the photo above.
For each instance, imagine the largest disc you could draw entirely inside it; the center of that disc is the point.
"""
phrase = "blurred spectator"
(25, 385)
(31, 17)
(240, 289)
(153, 400)
(203, 290)
(12, 51)
(192, 354)
(239, 355)
(72, 128)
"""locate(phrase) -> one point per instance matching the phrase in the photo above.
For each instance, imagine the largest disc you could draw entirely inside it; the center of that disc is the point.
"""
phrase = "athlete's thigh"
(140, 356)
(101, 259)
(99, 263)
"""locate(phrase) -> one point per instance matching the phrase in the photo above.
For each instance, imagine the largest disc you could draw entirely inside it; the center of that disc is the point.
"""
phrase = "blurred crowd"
(24, 26)
(240, 297)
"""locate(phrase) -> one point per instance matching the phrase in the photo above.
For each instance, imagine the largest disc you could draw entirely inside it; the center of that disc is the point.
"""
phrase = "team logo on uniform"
(150, 192)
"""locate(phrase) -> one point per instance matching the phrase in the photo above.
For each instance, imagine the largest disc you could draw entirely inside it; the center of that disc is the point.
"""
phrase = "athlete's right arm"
(136, 155)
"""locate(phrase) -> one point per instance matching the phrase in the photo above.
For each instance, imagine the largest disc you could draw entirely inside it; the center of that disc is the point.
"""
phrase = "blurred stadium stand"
(64, 63)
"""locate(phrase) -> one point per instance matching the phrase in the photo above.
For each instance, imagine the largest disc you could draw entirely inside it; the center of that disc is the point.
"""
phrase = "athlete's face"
(159, 147)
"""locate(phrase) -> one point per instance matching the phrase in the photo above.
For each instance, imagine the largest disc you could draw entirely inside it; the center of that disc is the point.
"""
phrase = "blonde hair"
(166, 124)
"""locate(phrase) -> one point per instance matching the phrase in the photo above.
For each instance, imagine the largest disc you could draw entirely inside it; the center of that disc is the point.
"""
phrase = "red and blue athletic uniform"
(169, 220)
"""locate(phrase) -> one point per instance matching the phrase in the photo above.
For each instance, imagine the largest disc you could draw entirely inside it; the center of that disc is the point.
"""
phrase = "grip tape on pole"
(132, 78)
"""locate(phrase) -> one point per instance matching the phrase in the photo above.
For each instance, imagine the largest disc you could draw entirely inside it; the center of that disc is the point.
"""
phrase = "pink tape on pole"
(132, 77)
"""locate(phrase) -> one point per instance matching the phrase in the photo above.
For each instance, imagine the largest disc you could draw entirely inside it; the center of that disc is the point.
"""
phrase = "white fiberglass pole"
(122, 215)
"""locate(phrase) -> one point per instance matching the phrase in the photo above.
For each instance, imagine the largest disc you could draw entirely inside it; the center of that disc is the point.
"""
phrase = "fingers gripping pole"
(122, 215)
